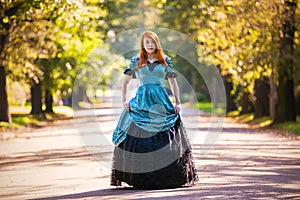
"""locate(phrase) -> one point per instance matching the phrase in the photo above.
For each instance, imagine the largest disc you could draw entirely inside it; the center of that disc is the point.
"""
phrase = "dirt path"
(54, 163)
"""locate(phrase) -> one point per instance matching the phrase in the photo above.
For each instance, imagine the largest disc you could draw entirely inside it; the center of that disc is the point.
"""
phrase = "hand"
(126, 106)
(177, 108)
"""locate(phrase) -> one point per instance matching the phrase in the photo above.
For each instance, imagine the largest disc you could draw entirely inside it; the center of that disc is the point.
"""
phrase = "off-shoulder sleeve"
(169, 71)
(130, 70)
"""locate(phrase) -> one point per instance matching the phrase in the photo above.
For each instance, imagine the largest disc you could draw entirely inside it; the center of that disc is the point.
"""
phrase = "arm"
(175, 90)
(124, 92)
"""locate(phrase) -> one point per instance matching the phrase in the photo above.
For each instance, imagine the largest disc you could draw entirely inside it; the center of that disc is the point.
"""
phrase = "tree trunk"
(273, 96)
(286, 99)
(261, 97)
(36, 98)
(4, 114)
(48, 102)
(4, 108)
(246, 104)
(297, 99)
(231, 106)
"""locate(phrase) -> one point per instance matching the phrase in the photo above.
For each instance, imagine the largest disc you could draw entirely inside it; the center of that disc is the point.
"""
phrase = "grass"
(266, 122)
(20, 117)
(290, 126)
(207, 107)
(204, 106)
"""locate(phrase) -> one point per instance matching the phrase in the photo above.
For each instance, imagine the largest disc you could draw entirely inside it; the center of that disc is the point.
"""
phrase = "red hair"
(143, 58)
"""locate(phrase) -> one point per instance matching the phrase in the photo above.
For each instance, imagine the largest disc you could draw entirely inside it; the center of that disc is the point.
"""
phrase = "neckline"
(151, 66)
(155, 61)
(149, 61)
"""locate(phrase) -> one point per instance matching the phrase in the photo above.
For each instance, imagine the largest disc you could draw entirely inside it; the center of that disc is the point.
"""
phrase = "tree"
(42, 40)
(123, 15)
(261, 97)
(25, 37)
(4, 114)
(81, 31)
(6, 12)
(286, 100)
(243, 38)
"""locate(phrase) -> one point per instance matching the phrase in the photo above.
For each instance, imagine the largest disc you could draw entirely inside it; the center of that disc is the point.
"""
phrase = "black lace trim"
(170, 75)
(181, 172)
(130, 72)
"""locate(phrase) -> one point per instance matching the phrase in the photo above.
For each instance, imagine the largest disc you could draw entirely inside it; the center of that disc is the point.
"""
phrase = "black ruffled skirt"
(154, 160)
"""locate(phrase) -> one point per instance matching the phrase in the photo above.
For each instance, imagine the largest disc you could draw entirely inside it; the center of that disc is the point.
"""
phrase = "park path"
(54, 162)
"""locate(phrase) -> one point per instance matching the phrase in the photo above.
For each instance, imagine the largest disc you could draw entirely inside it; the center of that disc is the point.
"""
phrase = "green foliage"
(77, 35)
(241, 37)
(205, 106)
(238, 35)
(293, 127)
(266, 122)
(49, 39)
(126, 14)
(29, 27)
(53, 40)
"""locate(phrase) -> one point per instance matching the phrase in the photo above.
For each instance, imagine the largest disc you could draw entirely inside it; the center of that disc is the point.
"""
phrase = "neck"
(151, 55)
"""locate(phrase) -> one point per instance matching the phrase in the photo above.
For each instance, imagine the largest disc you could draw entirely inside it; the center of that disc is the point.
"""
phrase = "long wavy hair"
(143, 58)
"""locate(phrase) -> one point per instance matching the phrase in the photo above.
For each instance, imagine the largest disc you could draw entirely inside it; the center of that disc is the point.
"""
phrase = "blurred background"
(45, 44)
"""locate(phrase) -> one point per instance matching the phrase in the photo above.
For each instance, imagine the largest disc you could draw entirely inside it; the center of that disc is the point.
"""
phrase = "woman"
(152, 150)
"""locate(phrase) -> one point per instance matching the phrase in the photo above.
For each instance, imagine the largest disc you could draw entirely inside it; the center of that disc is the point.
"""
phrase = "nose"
(152, 44)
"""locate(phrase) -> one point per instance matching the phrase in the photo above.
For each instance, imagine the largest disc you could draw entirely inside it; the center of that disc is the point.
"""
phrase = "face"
(149, 44)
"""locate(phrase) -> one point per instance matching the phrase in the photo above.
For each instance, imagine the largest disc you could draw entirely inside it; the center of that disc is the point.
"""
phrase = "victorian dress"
(152, 150)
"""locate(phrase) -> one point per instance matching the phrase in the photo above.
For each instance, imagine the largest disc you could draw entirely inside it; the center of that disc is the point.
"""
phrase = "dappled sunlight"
(70, 54)
(242, 163)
